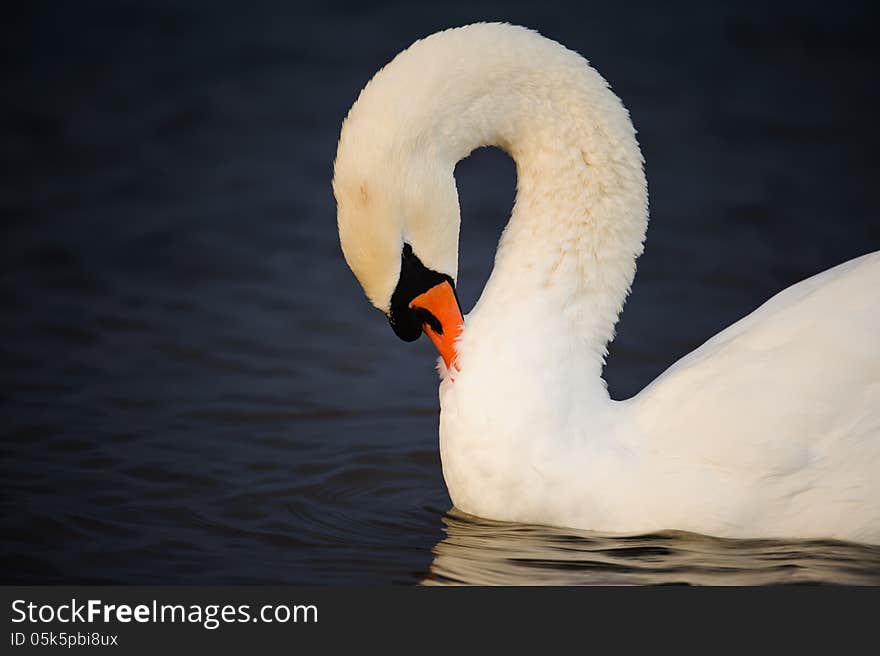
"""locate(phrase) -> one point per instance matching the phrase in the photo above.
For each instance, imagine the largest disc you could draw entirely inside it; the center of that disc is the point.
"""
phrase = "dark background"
(194, 389)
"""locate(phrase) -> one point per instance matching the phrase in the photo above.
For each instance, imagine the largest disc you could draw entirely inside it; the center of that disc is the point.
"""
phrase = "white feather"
(771, 428)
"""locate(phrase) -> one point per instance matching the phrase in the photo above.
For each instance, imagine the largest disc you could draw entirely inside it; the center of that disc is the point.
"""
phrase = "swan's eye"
(415, 279)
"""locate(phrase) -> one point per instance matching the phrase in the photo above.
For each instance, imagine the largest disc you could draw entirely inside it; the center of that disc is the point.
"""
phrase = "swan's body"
(772, 428)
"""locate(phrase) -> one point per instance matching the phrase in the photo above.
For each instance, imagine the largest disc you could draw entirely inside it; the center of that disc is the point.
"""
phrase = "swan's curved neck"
(566, 260)
(567, 257)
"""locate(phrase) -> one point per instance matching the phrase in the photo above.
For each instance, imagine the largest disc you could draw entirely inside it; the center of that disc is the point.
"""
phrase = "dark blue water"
(194, 389)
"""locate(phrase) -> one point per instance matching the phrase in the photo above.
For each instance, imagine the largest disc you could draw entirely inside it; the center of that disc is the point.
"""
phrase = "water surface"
(482, 552)
(194, 389)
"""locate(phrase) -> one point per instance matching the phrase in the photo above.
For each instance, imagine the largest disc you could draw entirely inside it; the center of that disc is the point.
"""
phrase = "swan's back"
(782, 409)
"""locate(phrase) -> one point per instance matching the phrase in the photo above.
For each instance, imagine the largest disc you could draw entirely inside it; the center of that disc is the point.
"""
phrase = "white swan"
(770, 429)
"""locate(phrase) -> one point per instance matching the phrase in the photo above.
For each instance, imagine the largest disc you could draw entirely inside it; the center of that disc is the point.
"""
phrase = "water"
(483, 552)
(194, 389)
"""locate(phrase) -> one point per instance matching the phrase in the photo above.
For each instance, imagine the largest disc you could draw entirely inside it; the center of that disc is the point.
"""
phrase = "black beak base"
(415, 279)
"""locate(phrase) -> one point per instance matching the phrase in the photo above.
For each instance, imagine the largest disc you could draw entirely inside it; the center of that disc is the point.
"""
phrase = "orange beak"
(444, 323)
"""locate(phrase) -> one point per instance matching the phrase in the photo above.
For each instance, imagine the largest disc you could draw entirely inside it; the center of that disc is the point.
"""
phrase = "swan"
(769, 429)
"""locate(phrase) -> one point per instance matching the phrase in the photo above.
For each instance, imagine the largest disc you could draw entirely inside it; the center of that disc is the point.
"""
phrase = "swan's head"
(398, 217)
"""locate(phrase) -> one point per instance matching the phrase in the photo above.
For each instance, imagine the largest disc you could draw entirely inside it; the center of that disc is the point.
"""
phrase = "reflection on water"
(482, 552)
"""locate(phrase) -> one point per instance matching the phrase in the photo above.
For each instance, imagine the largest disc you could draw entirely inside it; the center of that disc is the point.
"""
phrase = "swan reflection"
(483, 552)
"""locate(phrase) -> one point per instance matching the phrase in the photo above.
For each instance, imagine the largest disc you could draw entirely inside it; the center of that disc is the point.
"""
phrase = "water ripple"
(482, 552)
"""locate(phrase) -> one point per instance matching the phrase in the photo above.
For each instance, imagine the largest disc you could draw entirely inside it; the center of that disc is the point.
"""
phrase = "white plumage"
(770, 429)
